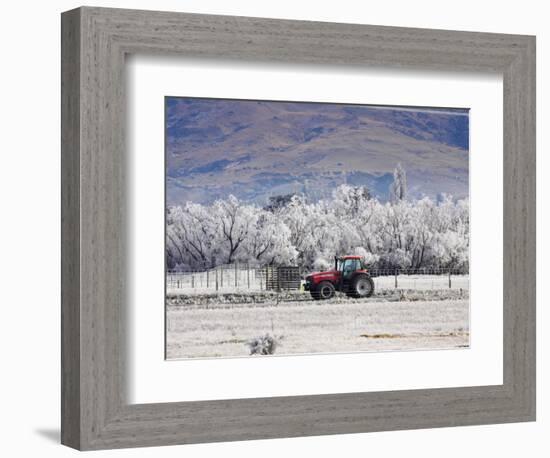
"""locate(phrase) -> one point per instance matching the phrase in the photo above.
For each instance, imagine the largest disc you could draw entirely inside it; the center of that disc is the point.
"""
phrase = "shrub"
(263, 345)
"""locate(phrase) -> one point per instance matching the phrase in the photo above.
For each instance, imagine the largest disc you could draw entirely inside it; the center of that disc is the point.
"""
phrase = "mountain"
(257, 149)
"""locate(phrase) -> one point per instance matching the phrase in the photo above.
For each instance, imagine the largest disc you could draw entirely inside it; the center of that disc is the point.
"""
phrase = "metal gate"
(281, 278)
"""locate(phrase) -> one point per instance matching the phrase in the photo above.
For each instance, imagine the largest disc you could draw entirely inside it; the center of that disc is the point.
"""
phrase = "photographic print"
(302, 227)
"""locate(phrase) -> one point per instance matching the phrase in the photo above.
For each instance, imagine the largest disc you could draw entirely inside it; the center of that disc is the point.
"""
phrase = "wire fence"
(246, 277)
(228, 276)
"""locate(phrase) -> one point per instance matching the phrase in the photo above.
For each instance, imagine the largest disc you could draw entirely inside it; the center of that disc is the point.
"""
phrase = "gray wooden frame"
(95, 413)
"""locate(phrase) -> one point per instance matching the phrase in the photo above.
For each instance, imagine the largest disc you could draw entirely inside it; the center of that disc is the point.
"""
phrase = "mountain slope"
(255, 149)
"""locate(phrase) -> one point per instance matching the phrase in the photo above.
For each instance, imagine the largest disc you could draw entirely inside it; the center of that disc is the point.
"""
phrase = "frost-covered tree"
(278, 202)
(303, 220)
(398, 188)
(190, 236)
(349, 200)
(235, 221)
(270, 241)
(403, 233)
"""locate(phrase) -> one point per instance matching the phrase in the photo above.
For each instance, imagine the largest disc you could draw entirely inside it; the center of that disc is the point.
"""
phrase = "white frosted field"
(317, 327)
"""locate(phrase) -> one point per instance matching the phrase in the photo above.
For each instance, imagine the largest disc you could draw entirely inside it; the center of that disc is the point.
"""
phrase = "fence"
(281, 277)
(245, 277)
(420, 279)
(236, 277)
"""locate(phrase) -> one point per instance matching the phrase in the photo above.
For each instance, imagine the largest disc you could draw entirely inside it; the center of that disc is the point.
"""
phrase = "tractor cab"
(347, 265)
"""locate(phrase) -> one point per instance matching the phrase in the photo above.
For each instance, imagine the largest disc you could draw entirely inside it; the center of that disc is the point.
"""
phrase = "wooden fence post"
(192, 281)
(216, 279)
(221, 276)
(236, 272)
(248, 274)
(207, 278)
(396, 278)
(449, 278)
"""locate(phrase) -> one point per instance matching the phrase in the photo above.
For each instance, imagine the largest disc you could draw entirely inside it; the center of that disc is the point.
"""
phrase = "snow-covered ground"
(317, 327)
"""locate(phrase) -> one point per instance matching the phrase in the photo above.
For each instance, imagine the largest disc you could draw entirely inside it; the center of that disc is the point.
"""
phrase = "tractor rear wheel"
(324, 290)
(361, 286)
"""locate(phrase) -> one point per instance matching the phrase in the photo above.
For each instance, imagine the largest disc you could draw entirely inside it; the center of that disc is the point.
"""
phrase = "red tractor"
(349, 276)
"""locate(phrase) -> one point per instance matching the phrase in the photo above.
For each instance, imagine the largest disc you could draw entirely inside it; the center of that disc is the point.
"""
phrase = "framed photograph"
(277, 228)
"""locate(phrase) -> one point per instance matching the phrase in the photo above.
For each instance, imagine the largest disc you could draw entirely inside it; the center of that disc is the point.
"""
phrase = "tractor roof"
(351, 257)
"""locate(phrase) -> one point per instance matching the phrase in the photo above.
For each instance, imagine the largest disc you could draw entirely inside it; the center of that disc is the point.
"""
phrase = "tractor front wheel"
(324, 290)
(362, 286)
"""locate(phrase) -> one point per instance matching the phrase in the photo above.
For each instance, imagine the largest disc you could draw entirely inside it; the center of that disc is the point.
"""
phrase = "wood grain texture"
(70, 229)
(96, 414)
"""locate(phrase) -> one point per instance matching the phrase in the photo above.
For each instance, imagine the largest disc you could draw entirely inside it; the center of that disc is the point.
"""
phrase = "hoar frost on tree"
(402, 233)
(398, 188)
